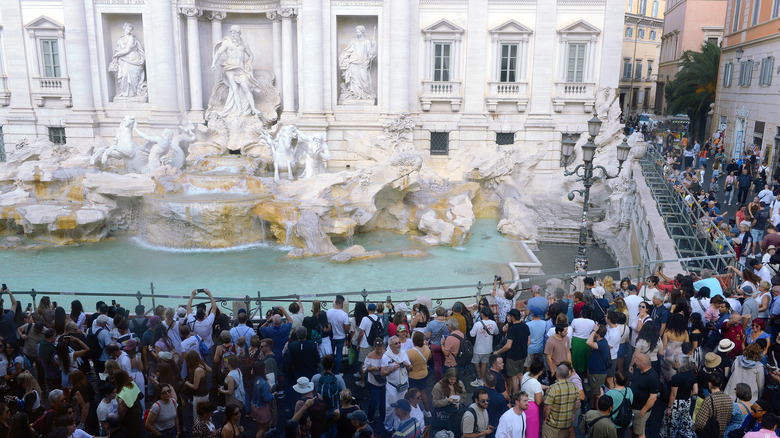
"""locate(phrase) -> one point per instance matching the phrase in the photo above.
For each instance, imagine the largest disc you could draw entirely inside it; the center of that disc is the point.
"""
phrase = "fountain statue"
(134, 156)
(127, 63)
(355, 65)
(291, 145)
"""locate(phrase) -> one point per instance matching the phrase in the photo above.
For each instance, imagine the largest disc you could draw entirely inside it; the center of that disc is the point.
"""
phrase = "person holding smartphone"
(7, 326)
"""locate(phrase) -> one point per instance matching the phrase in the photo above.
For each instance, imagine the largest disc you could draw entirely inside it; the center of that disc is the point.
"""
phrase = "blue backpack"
(203, 349)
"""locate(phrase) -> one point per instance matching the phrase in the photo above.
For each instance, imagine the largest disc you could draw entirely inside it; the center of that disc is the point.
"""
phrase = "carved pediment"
(44, 23)
(443, 29)
(511, 27)
(580, 27)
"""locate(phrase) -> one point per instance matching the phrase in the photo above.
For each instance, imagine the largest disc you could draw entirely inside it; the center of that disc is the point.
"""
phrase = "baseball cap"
(371, 306)
(130, 344)
(181, 312)
(358, 416)
(154, 320)
(403, 405)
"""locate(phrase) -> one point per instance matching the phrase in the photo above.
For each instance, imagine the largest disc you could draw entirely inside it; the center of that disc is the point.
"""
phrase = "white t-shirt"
(173, 335)
(766, 195)
(736, 306)
(337, 319)
(632, 303)
(124, 362)
(483, 332)
(204, 329)
(297, 320)
(365, 325)
(613, 339)
(696, 308)
(551, 333)
(764, 274)
(190, 344)
(530, 385)
(582, 327)
(78, 433)
(511, 425)
(407, 345)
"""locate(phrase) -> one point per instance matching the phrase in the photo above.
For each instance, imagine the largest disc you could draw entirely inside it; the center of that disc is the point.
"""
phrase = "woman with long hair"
(749, 278)
(676, 333)
(399, 318)
(82, 397)
(202, 426)
(232, 426)
(261, 399)
(625, 282)
(44, 312)
(677, 420)
(621, 307)
(420, 317)
(20, 427)
(128, 403)
(581, 328)
(77, 315)
(162, 417)
(197, 381)
(60, 318)
(67, 359)
(419, 355)
(447, 394)
(530, 385)
(372, 366)
(648, 343)
(32, 394)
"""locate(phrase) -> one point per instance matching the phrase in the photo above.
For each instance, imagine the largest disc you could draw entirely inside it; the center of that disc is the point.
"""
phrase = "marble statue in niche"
(355, 66)
(239, 93)
(127, 63)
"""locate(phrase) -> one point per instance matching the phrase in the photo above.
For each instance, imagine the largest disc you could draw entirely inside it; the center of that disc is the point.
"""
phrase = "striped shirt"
(563, 397)
(410, 428)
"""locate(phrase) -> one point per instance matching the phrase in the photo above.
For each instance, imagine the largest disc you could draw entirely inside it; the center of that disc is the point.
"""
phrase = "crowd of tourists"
(699, 358)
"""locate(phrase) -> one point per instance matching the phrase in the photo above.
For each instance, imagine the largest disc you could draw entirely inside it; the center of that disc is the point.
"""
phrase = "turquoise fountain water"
(126, 266)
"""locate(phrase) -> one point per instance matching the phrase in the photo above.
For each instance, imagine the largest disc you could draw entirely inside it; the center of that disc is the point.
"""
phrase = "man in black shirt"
(516, 348)
(745, 182)
(645, 385)
(304, 355)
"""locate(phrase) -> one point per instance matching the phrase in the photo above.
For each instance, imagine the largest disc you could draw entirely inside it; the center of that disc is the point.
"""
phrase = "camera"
(201, 290)
(497, 278)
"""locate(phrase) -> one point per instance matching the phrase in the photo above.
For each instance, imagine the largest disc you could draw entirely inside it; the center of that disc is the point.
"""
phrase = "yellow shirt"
(419, 362)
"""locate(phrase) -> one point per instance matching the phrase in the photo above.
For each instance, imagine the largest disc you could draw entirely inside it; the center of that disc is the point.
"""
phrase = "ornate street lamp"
(585, 173)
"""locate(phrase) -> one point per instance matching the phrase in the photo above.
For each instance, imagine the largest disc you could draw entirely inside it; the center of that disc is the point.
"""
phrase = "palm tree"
(693, 88)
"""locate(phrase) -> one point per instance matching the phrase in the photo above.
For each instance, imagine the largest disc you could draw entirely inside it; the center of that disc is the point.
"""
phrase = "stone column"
(400, 22)
(542, 62)
(77, 46)
(164, 81)
(14, 48)
(193, 58)
(311, 77)
(288, 54)
(276, 26)
(475, 76)
(216, 18)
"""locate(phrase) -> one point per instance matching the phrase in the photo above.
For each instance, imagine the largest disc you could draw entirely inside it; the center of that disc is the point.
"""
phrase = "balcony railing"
(56, 88)
(511, 92)
(5, 93)
(574, 92)
(441, 91)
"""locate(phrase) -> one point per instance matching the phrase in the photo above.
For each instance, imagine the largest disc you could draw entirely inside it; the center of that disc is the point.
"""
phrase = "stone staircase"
(559, 233)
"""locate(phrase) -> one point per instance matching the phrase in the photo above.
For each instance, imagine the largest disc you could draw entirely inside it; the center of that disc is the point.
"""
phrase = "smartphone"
(202, 290)
(113, 303)
(5, 287)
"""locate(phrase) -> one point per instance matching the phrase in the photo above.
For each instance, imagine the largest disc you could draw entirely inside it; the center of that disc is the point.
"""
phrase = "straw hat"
(711, 360)
(725, 345)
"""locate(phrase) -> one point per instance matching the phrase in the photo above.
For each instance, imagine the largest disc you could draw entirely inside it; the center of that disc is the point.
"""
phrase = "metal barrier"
(688, 224)
(254, 303)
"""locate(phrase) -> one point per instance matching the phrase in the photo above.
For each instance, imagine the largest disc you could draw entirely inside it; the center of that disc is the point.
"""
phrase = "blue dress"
(737, 417)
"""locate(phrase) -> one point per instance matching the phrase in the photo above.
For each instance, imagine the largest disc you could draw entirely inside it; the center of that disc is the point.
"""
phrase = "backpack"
(146, 412)
(203, 349)
(376, 331)
(226, 353)
(589, 425)
(328, 389)
(40, 425)
(456, 421)
(465, 352)
(776, 277)
(138, 329)
(95, 349)
(625, 416)
(246, 363)
(711, 427)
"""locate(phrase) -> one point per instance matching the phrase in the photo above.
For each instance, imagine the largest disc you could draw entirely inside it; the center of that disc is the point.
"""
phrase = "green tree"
(693, 88)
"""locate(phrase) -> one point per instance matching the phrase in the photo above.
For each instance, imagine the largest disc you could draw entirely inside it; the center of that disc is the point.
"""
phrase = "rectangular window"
(756, 12)
(766, 71)
(647, 97)
(745, 73)
(630, 6)
(57, 135)
(442, 61)
(649, 69)
(51, 58)
(737, 7)
(642, 7)
(641, 33)
(653, 34)
(505, 138)
(634, 97)
(440, 143)
(627, 68)
(629, 32)
(775, 8)
(655, 8)
(713, 41)
(638, 72)
(509, 62)
(575, 70)
(727, 72)
(2, 145)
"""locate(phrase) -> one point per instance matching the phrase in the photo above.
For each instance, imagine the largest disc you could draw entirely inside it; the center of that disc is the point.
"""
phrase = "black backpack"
(465, 352)
(496, 336)
(328, 389)
(95, 349)
(456, 421)
(376, 330)
(137, 328)
(625, 416)
(711, 427)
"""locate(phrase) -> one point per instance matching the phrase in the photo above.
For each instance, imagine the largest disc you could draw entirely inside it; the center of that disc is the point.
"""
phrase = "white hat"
(725, 345)
(182, 312)
(303, 386)
(401, 307)
(598, 292)
(102, 319)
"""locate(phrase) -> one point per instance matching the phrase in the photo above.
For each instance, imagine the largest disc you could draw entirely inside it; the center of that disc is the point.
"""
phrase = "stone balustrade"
(574, 93)
(5, 93)
(57, 88)
(441, 91)
(510, 92)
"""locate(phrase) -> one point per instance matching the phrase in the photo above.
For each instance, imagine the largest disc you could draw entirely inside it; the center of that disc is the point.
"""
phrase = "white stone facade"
(439, 60)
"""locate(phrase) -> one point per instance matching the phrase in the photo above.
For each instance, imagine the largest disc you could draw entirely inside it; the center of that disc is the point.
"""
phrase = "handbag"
(711, 427)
